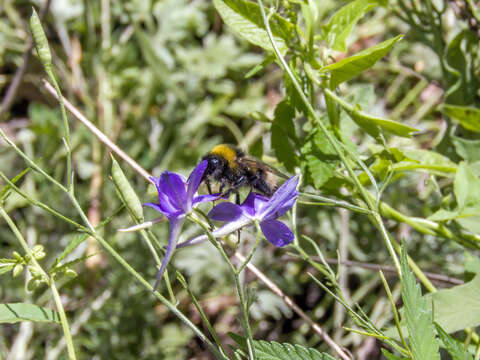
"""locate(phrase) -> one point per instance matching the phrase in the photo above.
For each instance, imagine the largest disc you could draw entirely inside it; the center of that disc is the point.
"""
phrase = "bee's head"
(215, 166)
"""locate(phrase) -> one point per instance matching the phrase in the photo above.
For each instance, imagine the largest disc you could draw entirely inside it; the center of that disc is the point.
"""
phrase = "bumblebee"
(233, 169)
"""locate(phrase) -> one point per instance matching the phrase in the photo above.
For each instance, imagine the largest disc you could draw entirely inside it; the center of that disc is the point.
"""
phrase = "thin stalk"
(238, 285)
(202, 314)
(394, 309)
(49, 280)
(63, 320)
(252, 251)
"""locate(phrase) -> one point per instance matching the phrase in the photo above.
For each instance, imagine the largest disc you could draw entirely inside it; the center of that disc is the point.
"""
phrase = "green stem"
(202, 314)
(331, 139)
(51, 75)
(252, 251)
(63, 320)
(236, 274)
(49, 280)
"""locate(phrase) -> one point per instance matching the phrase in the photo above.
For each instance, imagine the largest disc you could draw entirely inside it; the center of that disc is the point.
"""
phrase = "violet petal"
(283, 195)
(173, 186)
(195, 179)
(225, 211)
(175, 226)
(205, 198)
(277, 232)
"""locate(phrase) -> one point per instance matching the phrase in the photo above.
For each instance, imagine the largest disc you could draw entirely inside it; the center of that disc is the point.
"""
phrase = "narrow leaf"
(467, 116)
(352, 66)
(454, 348)
(418, 316)
(15, 312)
(342, 22)
(245, 18)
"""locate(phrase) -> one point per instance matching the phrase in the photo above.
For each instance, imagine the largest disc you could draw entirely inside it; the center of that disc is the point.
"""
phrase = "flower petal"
(277, 232)
(205, 198)
(173, 186)
(253, 203)
(168, 211)
(225, 211)
(280, 198)
(175, 226)
(194, 179)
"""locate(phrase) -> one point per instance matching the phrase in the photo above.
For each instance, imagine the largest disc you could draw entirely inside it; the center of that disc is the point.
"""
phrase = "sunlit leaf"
(467, 116)
(15, 312)
(283, 130)
(342, 22)
(418, 317)
(455, 348)
(352, 66)
(245, 18)
(464, 313)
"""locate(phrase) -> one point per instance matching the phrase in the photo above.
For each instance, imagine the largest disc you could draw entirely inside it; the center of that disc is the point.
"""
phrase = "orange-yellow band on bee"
(227, 153)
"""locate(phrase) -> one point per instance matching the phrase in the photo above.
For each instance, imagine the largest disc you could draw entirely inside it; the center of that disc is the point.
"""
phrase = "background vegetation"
(166, 80)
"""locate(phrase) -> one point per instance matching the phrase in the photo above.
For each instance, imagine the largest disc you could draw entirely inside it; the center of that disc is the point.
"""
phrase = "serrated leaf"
(454, 348)
(245, 18)
(456, 308)
(342, 22)
(418, 316)
(272, 350)
(352, 66)
(320, 159)
(16, 312)
(467, 116)
(283, 130)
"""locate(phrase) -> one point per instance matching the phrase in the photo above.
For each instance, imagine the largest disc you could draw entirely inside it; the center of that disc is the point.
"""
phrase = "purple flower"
(176, 200)
(256, 208)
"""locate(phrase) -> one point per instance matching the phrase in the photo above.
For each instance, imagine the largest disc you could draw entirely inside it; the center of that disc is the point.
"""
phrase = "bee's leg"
(237, 201)
(209, 186)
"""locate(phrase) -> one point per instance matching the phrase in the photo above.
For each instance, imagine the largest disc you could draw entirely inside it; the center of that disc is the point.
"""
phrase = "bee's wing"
(251, 162)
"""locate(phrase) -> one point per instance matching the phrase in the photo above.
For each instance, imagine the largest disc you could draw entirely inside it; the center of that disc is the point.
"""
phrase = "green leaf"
(454, 347)
(390, 356)
(466, 187)
(472, 263)
(319, 158)
(342, 22)
(352, 66)
(283, 130)
(272, 350)
(467, 116)
(245, 18)
(420, 159)
(417, 316)
(371, 124)
(15, 312)
(469, 150)
(458, 307)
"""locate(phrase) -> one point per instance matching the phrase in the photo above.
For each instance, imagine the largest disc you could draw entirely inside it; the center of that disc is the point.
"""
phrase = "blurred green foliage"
(166, 80)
